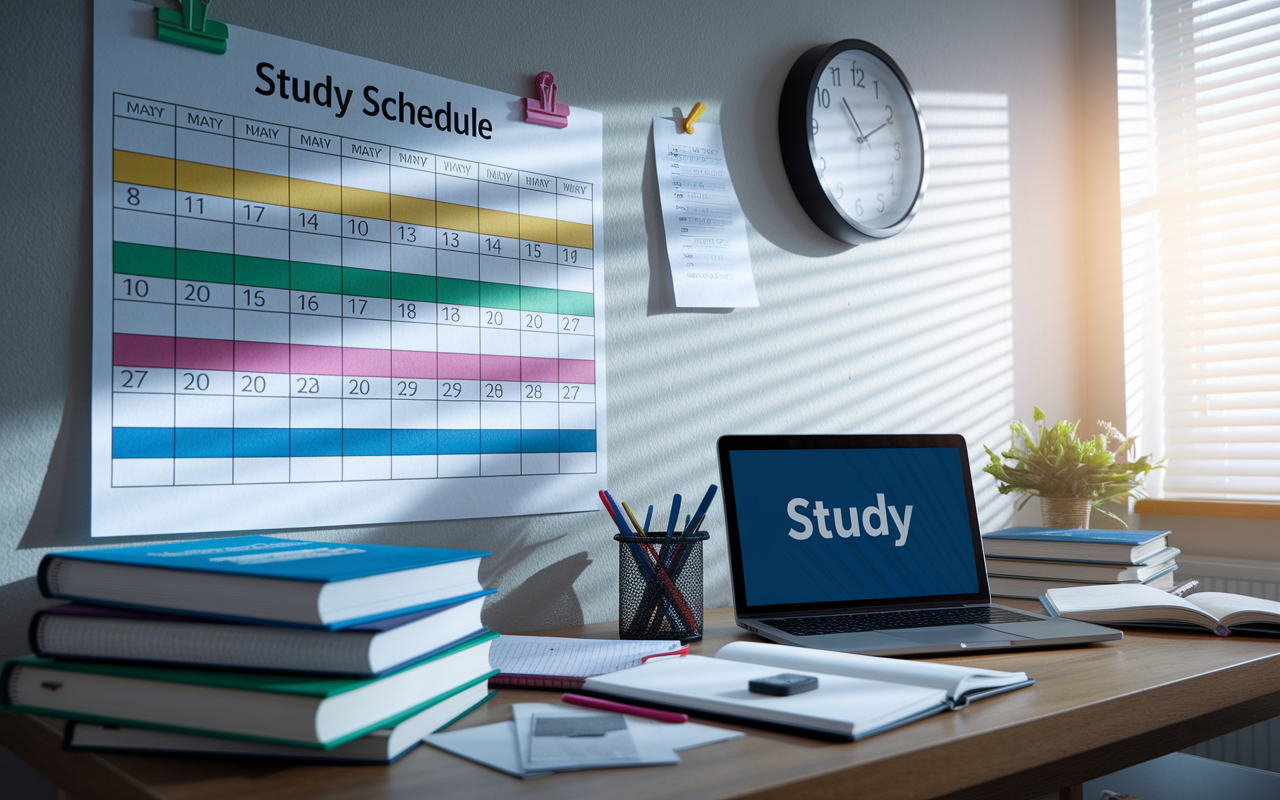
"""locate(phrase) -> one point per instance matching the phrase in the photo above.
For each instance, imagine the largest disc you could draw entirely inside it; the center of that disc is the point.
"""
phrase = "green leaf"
(1056, 462)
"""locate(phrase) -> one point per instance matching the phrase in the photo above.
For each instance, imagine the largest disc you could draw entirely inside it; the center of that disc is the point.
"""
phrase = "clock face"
(867, 148)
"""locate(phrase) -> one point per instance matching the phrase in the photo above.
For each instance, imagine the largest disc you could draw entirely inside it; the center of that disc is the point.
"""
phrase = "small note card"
(706, 230)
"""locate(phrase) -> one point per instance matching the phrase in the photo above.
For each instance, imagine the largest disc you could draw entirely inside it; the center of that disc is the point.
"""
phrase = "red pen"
(624, 708)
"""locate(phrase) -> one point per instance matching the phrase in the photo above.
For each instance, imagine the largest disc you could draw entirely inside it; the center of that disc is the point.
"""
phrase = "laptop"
(868, 544)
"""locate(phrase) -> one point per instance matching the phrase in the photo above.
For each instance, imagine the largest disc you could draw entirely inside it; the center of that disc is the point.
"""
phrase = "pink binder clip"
(543, 109)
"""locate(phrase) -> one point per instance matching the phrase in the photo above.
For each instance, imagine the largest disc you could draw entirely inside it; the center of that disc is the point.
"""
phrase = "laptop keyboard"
(927, 618)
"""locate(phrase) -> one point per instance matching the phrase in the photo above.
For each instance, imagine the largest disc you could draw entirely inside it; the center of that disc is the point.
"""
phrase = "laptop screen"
(842, 521)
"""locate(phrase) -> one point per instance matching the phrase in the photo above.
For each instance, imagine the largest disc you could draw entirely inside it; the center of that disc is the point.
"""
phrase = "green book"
(383, 746)
(301, 710)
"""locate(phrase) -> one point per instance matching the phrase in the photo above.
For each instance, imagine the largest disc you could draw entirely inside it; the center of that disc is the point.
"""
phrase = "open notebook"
(857, 695)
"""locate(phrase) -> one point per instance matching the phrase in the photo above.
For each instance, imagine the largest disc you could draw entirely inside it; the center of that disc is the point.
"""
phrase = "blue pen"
(704, 505)
(675, 516)
(647, 519)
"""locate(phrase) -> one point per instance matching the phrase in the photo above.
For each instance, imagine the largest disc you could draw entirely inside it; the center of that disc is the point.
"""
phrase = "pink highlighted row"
(134, 350)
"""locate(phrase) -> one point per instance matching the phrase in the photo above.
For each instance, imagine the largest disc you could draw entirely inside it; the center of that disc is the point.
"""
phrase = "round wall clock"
(852, 141)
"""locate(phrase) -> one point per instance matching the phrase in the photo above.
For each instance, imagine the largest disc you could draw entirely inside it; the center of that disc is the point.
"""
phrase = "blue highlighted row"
(320, 442)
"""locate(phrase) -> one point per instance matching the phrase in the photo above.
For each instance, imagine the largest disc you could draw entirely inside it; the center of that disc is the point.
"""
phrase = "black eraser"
(784, 684)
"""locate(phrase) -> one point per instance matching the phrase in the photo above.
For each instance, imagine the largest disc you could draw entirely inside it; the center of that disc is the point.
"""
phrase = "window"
(1200, 193)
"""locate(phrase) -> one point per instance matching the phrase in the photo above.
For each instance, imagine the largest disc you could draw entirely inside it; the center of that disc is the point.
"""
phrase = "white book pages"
(1126, 601)
(1240, 607)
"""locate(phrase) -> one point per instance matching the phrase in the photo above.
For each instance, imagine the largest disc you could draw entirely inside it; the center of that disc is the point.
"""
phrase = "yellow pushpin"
(696, 112)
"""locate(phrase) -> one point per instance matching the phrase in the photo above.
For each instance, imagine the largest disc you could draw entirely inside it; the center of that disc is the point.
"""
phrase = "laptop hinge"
(860, 610)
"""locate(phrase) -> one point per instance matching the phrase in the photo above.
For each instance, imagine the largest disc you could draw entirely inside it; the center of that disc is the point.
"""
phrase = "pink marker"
(624, 708)
(543, 109)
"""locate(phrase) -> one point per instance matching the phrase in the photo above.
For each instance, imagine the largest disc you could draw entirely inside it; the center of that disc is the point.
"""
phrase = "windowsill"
(1209, 508)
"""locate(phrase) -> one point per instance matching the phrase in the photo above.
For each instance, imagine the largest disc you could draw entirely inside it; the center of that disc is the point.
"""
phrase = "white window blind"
(1200, 125)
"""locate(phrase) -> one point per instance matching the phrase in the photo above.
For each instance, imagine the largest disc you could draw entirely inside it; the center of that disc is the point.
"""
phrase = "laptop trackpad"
(1048, 628)
(954, 634)
(860, 642)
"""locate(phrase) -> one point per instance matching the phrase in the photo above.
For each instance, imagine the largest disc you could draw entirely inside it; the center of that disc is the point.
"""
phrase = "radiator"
(1257, 746)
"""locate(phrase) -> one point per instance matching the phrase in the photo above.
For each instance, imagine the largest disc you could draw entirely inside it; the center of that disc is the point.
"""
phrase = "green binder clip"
(191, 27)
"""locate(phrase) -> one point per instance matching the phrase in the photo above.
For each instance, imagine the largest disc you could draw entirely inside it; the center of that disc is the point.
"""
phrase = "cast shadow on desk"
(546, 599)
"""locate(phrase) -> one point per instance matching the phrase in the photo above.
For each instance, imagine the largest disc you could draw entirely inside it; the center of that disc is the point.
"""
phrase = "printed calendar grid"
(292, 306)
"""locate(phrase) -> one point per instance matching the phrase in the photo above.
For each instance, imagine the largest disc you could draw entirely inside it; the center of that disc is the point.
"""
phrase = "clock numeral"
(890, 110)
(839, 190)
(835, 76)
(880, 203)
(876, 84)
(857, 76)
(824, 98)
(857, 206)
(897, 152)
(822, 164)
(815, 126)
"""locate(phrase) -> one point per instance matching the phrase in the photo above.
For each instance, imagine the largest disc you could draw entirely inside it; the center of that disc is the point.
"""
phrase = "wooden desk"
(1094, 709)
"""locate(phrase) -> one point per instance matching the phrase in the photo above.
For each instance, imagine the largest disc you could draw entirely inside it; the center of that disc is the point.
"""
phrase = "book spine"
(9, 685)
(537, 681)
(47, 575)
(33, 632)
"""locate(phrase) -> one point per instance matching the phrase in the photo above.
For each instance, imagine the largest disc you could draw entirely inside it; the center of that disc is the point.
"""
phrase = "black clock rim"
(799, 151)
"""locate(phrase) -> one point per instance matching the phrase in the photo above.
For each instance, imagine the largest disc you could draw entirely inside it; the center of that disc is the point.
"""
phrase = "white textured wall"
(956, 325)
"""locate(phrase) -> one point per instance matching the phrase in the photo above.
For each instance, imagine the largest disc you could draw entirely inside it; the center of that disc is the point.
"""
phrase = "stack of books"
(1027, 562)
(256, 646)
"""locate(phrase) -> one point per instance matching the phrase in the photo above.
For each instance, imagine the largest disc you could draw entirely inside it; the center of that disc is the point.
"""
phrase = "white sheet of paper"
(646, 751)
(495, 745)
(705, 228)
(585, 741)
(236, 386)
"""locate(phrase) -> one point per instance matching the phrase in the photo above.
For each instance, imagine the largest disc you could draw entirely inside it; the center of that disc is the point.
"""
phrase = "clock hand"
(868, 135)
(861, 138)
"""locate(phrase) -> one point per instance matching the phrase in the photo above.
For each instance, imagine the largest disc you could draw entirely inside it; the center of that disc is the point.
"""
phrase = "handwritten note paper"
(706, 230)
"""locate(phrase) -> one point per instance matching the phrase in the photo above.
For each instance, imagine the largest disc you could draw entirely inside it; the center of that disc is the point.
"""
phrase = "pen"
(608, 504)
(675, 516)
(624, 708)
(1182, 590)
(647, 519)
(639, 530)
(705, 504)
(618, 515)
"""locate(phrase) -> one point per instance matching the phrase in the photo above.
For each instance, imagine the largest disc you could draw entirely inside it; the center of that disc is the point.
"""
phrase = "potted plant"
(1070, 475)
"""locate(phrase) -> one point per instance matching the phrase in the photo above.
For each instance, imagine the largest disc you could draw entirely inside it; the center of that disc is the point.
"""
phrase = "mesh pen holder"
(660, 587)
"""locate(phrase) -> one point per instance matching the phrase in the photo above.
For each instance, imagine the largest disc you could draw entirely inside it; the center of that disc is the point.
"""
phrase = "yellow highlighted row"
(258, 187)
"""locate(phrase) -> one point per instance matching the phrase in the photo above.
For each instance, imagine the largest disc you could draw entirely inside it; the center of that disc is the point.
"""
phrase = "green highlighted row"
(198, 265)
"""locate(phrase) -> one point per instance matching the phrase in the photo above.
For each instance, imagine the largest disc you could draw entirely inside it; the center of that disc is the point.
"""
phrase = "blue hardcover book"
(80, 632)
(267, 580)
(1075, 544)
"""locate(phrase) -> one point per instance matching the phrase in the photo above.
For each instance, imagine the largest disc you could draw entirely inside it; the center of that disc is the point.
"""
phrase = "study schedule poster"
(333, 291)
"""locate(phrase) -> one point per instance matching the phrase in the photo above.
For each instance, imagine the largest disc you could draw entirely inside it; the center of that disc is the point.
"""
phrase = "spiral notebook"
(546, 662)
